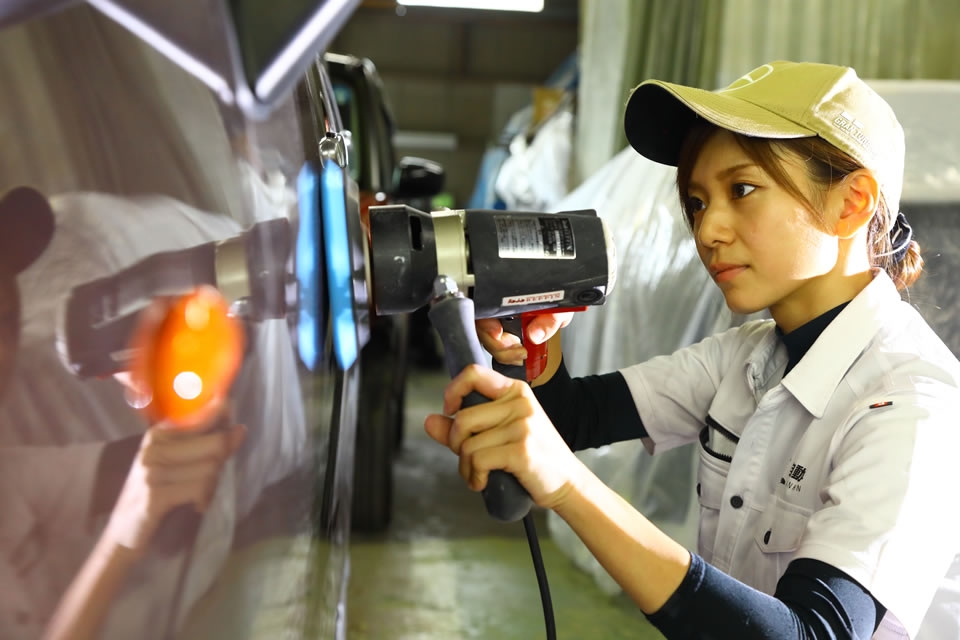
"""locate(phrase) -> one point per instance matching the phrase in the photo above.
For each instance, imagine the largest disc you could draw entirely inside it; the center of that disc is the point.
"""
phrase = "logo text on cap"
(853, 127)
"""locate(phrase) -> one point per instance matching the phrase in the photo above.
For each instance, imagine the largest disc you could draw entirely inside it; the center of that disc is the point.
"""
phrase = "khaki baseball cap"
(777, 100)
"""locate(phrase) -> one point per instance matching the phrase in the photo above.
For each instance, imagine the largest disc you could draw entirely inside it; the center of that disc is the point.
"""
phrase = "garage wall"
(459, 72)
(710, 43)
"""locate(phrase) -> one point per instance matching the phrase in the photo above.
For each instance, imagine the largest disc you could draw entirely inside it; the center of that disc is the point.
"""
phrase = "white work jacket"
(849, 459)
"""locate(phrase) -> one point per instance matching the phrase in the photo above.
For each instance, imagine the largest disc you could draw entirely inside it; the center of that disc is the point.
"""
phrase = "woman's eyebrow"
(724, 173)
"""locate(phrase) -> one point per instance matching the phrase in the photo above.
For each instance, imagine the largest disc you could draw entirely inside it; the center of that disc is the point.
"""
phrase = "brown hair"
(826, 165)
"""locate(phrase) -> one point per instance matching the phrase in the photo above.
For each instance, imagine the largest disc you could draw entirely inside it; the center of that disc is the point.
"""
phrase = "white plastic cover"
(535, 175)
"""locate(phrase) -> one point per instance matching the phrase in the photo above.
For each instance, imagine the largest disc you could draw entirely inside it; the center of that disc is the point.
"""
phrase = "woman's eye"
(741, 190)
(694, 205)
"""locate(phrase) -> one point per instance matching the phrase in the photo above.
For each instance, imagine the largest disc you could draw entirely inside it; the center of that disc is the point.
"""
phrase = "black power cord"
(452, 315)
(531, 530)
(512, 324)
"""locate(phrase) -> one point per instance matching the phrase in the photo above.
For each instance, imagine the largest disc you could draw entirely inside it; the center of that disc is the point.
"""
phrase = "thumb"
(545, 326)
(438, 428)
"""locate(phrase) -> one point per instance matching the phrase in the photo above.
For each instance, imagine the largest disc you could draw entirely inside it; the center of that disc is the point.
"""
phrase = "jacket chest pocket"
(778, 535)
(712, 475)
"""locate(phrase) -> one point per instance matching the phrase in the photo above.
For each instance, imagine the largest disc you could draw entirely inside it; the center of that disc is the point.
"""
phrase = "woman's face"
(762, 247)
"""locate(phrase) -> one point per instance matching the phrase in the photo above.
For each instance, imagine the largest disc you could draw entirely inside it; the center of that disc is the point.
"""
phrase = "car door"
(160, 193)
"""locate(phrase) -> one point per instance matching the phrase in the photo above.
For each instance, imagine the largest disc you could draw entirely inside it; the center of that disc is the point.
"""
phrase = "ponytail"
(898, 256)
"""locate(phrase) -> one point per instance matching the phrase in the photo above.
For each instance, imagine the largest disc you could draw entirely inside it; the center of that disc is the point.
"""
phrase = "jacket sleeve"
(673, 393)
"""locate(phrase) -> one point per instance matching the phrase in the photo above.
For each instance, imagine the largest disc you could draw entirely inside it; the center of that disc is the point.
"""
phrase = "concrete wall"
(459, 72)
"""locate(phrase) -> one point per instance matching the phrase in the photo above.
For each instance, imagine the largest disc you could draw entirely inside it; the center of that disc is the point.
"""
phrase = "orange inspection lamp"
(188, 353)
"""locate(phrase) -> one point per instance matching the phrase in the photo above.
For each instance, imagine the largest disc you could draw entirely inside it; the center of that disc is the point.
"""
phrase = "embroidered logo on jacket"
(794, 476)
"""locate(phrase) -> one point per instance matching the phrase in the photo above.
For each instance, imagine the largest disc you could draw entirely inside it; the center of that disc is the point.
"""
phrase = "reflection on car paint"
(167, 178)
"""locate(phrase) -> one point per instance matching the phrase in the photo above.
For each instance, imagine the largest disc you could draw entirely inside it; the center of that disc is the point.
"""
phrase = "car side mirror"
(418, 178)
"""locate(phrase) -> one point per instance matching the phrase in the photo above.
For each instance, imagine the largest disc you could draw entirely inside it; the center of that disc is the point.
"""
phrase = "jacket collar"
(815, 378)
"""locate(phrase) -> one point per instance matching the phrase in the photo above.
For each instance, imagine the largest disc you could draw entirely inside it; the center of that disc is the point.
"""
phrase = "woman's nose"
(714, 227)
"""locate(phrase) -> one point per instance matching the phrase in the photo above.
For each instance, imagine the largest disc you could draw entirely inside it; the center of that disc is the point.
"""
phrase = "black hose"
(530, 528)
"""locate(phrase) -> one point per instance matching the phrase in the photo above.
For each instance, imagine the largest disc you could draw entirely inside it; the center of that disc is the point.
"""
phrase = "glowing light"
(188, 385)
(188, 358)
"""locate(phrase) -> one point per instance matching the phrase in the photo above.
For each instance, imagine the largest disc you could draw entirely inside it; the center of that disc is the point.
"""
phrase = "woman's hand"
(511, 432)
(506, 348)
(173, 467)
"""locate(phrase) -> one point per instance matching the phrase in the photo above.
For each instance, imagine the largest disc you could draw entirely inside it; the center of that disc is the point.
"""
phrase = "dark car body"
(139, 162)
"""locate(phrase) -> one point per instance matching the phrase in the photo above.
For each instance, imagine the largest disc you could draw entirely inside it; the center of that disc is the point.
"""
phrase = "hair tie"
(900, 237)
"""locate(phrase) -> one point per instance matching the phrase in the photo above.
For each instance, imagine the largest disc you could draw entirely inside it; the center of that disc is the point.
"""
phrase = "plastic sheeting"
(552, 168)
(534, 176)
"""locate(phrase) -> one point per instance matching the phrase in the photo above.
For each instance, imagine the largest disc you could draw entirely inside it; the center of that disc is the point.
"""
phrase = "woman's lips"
(727, 272)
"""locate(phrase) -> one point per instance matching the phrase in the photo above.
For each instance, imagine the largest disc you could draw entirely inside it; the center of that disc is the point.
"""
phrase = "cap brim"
(660, 114)
(26, 227)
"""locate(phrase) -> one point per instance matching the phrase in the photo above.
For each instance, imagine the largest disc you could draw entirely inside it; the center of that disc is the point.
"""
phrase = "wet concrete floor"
(446, 570)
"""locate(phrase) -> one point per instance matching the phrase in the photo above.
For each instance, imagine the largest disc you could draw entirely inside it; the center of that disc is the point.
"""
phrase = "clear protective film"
(128, 185)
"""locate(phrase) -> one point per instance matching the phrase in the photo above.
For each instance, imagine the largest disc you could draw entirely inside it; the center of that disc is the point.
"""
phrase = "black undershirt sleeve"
(813, 601)
(591, 411)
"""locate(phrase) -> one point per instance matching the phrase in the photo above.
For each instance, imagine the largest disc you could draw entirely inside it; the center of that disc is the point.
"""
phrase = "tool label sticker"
(545, 237)
(532, 298)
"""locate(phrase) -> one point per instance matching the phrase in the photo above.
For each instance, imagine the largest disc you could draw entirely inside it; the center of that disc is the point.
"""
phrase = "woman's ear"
(857, 196)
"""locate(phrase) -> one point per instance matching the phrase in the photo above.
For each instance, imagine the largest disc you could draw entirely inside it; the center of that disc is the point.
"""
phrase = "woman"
(823, 432)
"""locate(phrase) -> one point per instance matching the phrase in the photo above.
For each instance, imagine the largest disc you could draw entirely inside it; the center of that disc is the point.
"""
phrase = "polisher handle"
(453, 317)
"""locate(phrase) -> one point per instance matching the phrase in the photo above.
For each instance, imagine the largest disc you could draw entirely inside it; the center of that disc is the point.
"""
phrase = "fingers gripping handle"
(453, 318)
(536, 360)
